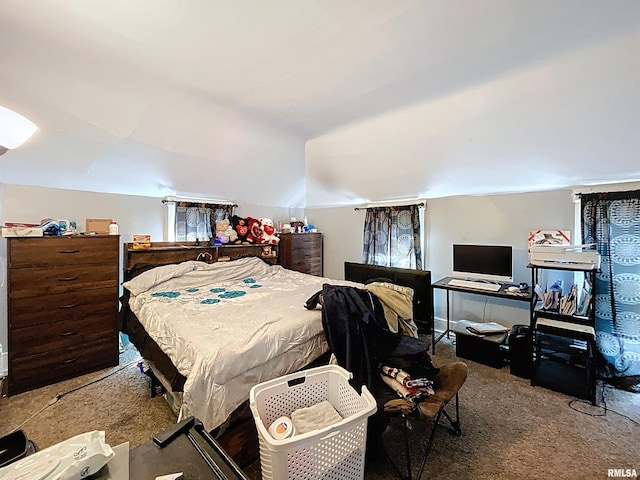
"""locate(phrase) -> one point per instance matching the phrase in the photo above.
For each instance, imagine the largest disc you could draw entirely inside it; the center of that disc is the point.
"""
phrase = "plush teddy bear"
(255, 230)
(268, 231)
(241, 227)
(225, 232)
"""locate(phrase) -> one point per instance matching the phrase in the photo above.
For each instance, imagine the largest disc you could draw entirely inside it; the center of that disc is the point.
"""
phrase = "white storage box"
(22, 231)
(336, 452)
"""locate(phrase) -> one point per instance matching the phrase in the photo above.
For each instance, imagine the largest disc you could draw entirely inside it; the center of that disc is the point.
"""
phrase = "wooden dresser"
(302, 252)
(62, 308)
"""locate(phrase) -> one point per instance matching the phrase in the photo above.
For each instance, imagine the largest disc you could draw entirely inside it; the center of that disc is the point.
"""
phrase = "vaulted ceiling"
(297, 102)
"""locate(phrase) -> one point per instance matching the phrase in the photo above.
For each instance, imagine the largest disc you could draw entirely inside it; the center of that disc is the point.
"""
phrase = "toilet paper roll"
(282, 428)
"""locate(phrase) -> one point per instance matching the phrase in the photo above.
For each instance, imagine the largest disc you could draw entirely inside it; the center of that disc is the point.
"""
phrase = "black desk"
(190, 450)
(443, 284)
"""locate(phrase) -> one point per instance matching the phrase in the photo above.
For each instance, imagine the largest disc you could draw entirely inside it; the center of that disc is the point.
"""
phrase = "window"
(393, 236)
(189, 221)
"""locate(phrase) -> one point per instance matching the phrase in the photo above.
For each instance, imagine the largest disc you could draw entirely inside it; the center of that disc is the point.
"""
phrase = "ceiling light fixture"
(14, 129)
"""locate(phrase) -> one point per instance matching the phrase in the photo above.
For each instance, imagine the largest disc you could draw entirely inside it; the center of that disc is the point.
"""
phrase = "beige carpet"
(510, 429)
(120, 404)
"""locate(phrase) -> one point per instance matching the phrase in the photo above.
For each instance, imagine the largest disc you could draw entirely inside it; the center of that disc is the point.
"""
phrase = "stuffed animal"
(255, 230)
(225, 232)
(268, 231)
(233, 235)
(241, 226)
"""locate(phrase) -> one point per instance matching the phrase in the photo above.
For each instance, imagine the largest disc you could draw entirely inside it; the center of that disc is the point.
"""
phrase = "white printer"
(577, 257)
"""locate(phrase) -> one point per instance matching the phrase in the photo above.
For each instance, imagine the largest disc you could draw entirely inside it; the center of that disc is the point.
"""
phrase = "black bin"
(520, 353)
(15, 446)
(482, 349)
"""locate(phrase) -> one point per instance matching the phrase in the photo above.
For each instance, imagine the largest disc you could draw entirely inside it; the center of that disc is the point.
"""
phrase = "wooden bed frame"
(418, 280)
(165, 253)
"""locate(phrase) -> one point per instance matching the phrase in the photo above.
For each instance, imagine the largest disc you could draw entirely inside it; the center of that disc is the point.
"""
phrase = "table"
(443, 284)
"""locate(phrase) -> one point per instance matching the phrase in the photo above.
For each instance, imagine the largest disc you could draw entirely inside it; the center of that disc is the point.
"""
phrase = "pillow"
(158, 275)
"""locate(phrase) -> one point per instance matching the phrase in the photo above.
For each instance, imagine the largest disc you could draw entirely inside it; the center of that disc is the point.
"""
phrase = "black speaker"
(520, 353)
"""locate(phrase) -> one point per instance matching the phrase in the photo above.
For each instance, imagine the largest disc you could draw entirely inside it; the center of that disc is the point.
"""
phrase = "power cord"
(604, 408)
(603, 413)
(59, 396)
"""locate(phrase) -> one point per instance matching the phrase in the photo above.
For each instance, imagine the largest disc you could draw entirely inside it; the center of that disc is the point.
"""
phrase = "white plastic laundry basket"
(336, 452)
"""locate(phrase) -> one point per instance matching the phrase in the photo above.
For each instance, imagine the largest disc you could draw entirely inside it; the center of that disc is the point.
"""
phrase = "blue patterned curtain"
(392, 237)
(612, 222)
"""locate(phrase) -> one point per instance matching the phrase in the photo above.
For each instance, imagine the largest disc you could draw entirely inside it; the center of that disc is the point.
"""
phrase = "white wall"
(134, 214)
(491, 219)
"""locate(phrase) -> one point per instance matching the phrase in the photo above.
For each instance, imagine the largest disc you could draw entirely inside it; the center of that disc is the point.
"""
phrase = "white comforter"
(228, 326)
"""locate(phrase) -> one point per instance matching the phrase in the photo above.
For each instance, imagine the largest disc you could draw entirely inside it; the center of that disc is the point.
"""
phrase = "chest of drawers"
(302, 252)
(62, 308)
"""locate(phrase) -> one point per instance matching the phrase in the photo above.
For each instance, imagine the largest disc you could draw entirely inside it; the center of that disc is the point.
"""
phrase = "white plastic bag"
(72, 459)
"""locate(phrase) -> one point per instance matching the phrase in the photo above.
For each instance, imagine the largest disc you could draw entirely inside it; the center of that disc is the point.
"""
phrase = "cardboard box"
(98, 225)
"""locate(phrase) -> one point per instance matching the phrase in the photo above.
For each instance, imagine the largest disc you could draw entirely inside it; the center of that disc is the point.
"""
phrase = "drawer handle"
(69, 251)
(70, 360)
(68, 334)
(67, 279)
(73, 305)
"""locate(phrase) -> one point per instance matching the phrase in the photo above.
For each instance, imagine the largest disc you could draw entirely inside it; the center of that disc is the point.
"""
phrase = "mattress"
(227, 326)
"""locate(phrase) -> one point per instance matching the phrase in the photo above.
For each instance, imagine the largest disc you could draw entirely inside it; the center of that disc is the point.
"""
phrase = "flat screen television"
(483, 262)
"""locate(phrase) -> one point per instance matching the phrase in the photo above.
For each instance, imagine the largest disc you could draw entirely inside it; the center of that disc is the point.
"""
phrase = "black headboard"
(418, 280)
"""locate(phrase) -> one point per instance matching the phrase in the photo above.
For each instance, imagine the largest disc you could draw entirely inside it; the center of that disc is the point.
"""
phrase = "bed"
(226, 326)
(211, 330)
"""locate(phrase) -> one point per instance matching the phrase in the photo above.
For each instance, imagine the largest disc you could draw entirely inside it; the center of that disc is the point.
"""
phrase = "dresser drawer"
(53, 336)
(42, 369)
(62, 307)
(306, 240)
(306, 250)
(312, 266)
(35, 281)
(51, 251)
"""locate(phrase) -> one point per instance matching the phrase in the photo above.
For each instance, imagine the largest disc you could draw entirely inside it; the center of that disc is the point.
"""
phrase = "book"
(583, 307)
(141, 241)
(489, 328)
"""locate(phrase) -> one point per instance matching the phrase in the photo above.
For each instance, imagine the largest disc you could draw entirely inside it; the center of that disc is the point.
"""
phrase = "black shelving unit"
(564, 346)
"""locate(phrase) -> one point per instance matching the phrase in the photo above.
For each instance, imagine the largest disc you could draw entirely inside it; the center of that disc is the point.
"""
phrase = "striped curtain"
(392, 237)
(612, 222)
